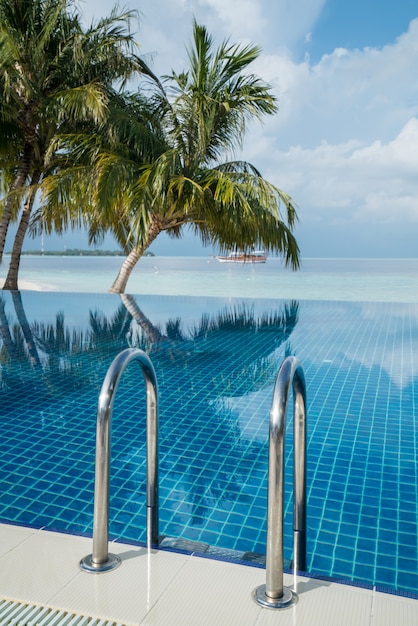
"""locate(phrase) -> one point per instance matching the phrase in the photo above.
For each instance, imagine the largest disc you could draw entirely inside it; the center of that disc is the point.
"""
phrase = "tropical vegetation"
(133, 164)
(55, 77)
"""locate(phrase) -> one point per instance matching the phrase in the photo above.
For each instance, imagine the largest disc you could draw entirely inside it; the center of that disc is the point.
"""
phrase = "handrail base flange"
(87, 565)
(288, 599)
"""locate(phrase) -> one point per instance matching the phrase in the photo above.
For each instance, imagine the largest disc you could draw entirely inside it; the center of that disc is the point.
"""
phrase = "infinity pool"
(216, 361)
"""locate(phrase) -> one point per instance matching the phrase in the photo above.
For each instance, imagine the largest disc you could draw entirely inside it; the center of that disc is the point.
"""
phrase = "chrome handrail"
(100, 560)
(273, 594)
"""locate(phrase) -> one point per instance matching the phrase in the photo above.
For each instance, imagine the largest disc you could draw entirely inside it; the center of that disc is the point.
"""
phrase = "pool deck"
(40, 567)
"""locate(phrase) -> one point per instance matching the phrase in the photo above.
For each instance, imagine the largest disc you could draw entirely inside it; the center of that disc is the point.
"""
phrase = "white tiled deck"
(170, 589)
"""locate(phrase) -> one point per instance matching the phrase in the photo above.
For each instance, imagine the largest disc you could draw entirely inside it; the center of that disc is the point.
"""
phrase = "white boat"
(258, 256)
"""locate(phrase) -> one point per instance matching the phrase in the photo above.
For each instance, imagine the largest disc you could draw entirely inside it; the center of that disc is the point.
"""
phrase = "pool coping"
(41, 568)
(224, 555)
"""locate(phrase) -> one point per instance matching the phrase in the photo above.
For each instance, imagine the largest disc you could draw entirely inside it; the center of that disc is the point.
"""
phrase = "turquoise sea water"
(385, 280)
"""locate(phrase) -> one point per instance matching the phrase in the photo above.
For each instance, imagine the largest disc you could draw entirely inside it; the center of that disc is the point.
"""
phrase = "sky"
(344, 143)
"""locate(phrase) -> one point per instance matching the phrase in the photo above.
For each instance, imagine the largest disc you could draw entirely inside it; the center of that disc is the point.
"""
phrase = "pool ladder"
(273, 594)
(100, 560)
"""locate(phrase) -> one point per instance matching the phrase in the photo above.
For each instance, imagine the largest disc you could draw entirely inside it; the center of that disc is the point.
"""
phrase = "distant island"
(77, 252)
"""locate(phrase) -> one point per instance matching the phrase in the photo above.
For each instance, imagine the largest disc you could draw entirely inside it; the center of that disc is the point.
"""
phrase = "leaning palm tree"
(54, 75)
(204, 119)
(162, 164)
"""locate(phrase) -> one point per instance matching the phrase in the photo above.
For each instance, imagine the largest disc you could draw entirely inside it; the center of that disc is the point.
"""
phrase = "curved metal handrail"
(273, 594)
(100, 560)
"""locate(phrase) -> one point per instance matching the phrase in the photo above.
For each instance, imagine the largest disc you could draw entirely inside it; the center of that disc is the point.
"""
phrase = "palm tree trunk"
(27, 331)
(152, 332)
(120, 282)
(12, 275)
(18, 183)
(6, 335)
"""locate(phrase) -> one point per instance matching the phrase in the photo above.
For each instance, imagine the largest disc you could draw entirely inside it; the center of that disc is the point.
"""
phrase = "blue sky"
(360, 24)
(345, 141)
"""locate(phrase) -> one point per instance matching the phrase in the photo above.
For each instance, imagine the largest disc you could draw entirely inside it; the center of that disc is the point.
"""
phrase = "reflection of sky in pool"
(216, 360)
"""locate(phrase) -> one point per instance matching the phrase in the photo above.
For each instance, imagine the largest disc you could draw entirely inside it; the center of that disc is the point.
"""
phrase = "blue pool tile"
(364, 571)
(364, 557)
(343, 568)
(406, 564)
(408, 579)
(389, 523)
(345, 554)
(407, 539)
(386, 576)
(369, 520)
(407, 528)
(322, 563)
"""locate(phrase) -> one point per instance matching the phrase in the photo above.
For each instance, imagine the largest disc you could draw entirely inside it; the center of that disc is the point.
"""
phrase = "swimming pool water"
(216, 360)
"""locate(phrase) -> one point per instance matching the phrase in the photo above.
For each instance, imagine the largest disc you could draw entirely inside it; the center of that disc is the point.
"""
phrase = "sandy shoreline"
(29, 285)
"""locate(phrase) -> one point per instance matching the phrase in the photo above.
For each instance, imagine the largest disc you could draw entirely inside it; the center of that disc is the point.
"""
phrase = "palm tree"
(53, 76)
(166, 169)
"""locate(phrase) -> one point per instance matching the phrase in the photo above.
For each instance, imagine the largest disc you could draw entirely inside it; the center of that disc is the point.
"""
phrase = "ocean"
(369, 280)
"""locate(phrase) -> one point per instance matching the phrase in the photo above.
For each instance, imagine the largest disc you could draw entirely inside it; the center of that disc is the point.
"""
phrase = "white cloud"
(166, 24)
(241, 18)
(353, 181)
(362, 94)
(274, 25)
(344, 142)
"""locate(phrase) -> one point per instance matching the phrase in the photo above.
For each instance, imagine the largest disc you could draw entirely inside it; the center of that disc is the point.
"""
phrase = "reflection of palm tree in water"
(53, 355)
(26, 330)
(197, 371)
(14, 354)
(81, 358)
(221, 342)
(23, 366)
(227, 355)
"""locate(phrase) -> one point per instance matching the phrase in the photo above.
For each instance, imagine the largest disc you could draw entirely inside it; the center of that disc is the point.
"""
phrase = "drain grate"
(22, 614)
